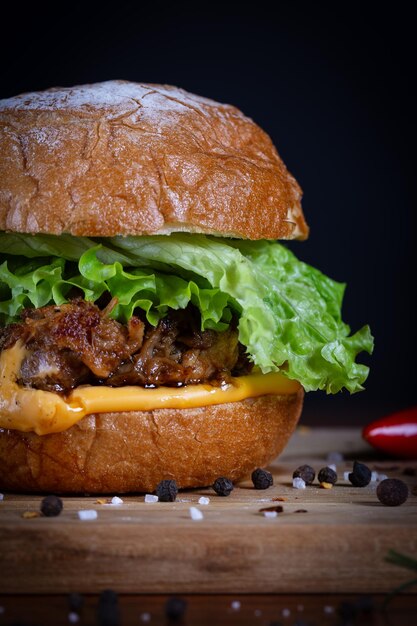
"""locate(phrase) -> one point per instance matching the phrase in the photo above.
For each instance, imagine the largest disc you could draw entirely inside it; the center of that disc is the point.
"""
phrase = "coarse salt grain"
(270, 513)
(333, 467)
(334, 457)
(1, 496)
(374, 477)
(328, 609)
(236, 605)
(88, 514)
(150, 498)
(381, 477)
(286, 612)
(204, 500)
(145, 617)
(298, 483)
(73, 617)
(195, 513)
(346, 475)
(116, 500)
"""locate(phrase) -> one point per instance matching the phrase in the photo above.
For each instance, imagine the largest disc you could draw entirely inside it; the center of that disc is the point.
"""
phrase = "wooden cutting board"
(338, 544)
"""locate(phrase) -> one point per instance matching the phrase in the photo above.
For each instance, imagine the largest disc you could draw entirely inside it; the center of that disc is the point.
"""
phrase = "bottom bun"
(134, 451)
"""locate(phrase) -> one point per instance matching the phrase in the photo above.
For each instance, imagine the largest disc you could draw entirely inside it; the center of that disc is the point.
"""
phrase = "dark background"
(333, 88)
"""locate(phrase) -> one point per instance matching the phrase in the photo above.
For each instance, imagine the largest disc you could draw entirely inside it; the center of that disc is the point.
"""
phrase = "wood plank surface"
(212, 610)
(338, 546)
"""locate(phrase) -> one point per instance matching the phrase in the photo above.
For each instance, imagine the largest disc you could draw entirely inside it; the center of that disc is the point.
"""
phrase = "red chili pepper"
(395, 434)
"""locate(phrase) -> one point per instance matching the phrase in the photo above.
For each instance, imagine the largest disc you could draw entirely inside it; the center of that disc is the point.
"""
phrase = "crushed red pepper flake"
(325, 485)
(278, 509)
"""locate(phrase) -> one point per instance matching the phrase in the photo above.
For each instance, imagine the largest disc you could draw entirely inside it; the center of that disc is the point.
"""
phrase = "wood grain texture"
(338, 546)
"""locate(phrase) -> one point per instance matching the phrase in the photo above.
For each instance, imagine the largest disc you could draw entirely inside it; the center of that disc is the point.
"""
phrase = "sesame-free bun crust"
(122, 158)
(134, 451)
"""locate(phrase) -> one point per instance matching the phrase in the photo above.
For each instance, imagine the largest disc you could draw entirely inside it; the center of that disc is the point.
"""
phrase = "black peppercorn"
(223, 486)
(108, 612)
(51, 506)
(175, 608)
(361, 475)
(305, 472)
(262, 479)
(327, 475)
(75, 602)
(392, 492)
(410, 471)
(167, 491)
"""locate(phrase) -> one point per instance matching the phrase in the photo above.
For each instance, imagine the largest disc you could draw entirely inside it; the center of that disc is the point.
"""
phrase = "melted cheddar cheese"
(44, 412)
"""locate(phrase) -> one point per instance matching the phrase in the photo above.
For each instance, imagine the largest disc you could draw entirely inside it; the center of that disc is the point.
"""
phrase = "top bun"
(123, 158)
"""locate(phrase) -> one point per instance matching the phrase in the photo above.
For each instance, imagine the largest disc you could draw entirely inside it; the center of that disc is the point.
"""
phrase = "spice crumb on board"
(261, 478)
(51, 506)
(223, 486)
(87, 514)
(325, 485)
(392, 492)
(30, 514)
(327, 475)
(195, 513)
(306, 472)
(335, 457)
(272, 509)
(175, 608)
(167, 491)
(75, 602)
(298, 483)
(361, 475)
(73, 617)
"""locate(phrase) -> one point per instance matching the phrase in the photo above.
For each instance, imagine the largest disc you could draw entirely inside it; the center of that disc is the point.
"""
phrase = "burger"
(152, 327)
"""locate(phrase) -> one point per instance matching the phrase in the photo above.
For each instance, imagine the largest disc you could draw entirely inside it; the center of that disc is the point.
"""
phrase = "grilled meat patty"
(77, 343)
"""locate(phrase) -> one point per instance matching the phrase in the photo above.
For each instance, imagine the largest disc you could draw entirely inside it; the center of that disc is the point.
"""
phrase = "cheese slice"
(44, 412)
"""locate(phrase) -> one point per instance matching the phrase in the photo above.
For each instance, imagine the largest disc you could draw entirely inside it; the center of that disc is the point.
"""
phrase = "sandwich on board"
(152, 327)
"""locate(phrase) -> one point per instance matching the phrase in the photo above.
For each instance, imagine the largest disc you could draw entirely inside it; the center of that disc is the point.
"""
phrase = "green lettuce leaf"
(289, 313)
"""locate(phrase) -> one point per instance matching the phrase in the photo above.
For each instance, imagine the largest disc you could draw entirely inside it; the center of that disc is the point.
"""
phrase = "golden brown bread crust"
(128, 158)
(133, 451)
